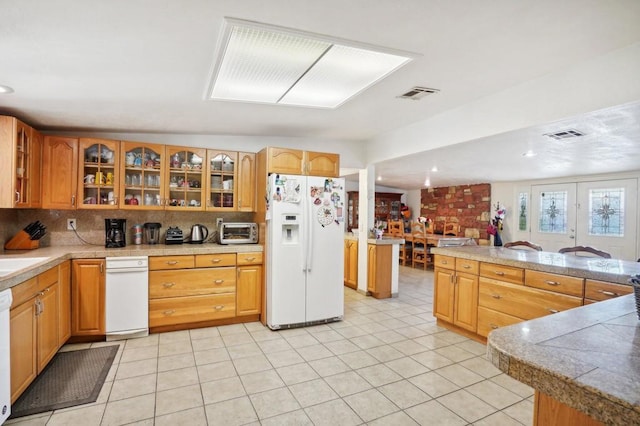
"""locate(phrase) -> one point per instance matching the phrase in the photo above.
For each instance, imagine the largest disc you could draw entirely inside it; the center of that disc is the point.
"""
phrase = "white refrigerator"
(304, 250)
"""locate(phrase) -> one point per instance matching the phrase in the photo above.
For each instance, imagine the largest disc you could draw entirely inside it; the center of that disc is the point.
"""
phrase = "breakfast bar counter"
(586, 358)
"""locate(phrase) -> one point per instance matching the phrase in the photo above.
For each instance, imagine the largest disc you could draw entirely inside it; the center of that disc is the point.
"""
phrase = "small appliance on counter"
(152, 232)
(174, 236)
(115, 233)
(237, 233)
(199, 233)
(28, 238)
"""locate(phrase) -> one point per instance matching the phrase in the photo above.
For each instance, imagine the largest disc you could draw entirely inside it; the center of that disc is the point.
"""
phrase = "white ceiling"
(142, 66)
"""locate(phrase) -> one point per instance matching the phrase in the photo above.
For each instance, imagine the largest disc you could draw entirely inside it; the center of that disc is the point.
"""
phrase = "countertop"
(58, 254)
(587, 358)
(596, 268)
(381, 242)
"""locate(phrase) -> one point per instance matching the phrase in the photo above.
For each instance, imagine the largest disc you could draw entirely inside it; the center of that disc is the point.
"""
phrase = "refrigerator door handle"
(305, 230)
(310, 239)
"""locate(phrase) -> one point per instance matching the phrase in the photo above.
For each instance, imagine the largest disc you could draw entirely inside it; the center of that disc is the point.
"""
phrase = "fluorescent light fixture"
(5, 90)
(275, 65)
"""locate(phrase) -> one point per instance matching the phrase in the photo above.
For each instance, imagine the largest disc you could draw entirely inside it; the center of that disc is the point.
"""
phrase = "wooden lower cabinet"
(596, 291)
(34, 327)
(443, 293)
(249, 290)
(456, 298)
(88, 297)
(379, 270)
(548, 411)
(489, 320)
(181, 310)
(351, 264)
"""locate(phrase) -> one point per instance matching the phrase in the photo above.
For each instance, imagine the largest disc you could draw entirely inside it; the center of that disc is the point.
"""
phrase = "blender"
(152, 232)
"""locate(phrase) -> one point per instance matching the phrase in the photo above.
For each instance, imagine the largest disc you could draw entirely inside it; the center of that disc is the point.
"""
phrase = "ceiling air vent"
(418, 93)
(564, 134)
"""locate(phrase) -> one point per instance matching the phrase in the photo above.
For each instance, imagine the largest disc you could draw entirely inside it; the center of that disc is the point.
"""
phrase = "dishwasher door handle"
(126, 270)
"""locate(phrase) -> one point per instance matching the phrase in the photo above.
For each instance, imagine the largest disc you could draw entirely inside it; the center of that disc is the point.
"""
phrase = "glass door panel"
(22, 170)
(142, 176)
(221, 180)
(185, 178)
(99, 175)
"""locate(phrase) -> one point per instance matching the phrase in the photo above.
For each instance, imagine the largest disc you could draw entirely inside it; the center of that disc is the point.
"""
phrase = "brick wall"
(468, 205)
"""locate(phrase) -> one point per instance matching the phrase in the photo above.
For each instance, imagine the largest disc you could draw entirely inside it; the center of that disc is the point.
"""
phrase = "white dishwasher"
(5, 366)
(127, 297)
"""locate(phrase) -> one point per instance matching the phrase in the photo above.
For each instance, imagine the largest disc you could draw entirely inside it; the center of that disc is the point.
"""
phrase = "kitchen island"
(584, 363)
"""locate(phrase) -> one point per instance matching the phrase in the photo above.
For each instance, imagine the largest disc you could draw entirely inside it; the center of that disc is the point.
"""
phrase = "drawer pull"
(609, 293)
(218, 307)
(549, 282)
(218, 281)
(249, 259)
(444, 262)
(169, 312)
(554, 311)
(493, 326)
(168, 285)
(499, 273)
(216, 260)
(496, 296)
(172, 262)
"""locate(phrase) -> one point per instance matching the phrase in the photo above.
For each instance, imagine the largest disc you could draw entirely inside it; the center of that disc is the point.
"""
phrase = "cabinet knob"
(493, 326)
(169, 312)
(218, 307)
(553, 311)
(499, 273)
(250, 259)
(168, 285)
(172, 262)
(496, 296)
(216, 260)
(218, 281)
(466, 266)
(553, 283)
(609, 293)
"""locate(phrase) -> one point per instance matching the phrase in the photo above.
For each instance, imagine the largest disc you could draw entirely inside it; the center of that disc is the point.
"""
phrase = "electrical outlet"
(72, 224)
(218, 222)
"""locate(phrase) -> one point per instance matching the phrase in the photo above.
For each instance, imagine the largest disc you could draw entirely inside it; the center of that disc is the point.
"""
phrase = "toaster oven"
(238, 233)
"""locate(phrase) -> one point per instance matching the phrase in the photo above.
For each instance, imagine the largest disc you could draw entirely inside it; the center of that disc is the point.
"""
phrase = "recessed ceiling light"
(379, 178)
(529, 154)
(434, 169)
(5, 90)
(427, 182)
(275, 65)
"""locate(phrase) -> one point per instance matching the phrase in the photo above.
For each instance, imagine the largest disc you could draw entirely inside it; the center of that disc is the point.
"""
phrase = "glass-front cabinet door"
(185, 178)
(98, 174)
(142, 166)
(221, 180)
(23, 165)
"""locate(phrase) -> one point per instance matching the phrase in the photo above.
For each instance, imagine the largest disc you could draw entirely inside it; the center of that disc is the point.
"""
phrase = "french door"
(600, 214)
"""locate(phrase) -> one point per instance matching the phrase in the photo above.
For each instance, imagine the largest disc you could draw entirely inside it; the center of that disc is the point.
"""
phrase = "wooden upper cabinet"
(246, 179)
(22, 145)
(142, 165)
(184, 178)
(59, 173)
(322, 164)
(98, 174)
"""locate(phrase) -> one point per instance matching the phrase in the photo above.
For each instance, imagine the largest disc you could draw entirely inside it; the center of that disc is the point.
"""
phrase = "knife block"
(21, 241)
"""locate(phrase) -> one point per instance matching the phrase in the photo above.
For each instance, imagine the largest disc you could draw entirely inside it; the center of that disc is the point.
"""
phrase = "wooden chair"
(396, 229)
(585, 249)
(451, 228)
(517, 244)
(420, 249)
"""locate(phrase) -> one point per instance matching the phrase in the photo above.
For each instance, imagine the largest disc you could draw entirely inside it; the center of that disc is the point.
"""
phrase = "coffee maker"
(115, 233)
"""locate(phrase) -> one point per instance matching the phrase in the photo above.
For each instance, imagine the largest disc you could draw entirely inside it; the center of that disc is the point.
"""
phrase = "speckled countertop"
(596, 268)
(57, 254)
(587, 358)
(381, 242)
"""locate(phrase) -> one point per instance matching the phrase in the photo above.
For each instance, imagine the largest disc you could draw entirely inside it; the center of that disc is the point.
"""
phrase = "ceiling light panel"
(260, 63)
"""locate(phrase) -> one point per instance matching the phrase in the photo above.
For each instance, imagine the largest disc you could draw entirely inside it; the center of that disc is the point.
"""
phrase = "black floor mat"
(71, 378)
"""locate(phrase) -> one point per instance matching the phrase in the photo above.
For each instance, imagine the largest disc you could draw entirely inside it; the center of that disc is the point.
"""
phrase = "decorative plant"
(495, 226)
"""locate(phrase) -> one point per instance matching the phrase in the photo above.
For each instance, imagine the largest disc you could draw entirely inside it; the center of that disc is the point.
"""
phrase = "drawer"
(469, 266)
(47, 278)
(600, 290)
(522, 302)
(215, 260)
(553, 282)
(157, 263)
(182, 310)
(24, 291)
(488, 320)
(502, 273)
(252, 258)
(192, 282)
(448, 262)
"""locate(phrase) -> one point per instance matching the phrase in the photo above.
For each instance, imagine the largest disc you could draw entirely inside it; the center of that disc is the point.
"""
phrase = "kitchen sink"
(9, 265)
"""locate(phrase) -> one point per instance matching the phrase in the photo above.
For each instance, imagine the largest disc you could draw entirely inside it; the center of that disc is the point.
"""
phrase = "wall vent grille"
(565, 134)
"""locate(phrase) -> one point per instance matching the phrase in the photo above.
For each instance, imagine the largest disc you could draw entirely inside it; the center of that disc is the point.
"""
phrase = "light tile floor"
(387, 363)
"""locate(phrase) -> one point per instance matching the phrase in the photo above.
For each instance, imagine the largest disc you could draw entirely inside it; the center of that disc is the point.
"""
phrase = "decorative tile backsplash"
(90, 223)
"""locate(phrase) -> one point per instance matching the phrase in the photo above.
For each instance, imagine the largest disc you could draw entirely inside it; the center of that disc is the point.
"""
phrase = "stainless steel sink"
(9, 265)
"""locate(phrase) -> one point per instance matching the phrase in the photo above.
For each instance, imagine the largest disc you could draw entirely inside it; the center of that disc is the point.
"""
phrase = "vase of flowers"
(495, 226)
